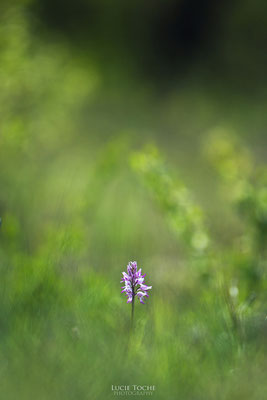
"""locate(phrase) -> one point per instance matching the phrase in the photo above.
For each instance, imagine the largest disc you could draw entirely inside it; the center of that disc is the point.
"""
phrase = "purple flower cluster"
(134, 283)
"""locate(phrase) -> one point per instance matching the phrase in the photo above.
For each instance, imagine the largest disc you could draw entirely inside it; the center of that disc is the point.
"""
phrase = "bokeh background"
(133, 131)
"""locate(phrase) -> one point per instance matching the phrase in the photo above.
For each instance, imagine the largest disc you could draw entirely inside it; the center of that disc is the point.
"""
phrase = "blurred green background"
(133, 131)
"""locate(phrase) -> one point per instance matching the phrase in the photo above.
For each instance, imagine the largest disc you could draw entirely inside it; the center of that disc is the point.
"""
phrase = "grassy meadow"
(96, 173)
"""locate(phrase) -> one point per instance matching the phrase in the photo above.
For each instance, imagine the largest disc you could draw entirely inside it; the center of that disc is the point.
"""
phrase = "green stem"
(132, 319)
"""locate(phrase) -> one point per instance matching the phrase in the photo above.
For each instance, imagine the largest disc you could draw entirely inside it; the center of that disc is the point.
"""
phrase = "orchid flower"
(134, 285)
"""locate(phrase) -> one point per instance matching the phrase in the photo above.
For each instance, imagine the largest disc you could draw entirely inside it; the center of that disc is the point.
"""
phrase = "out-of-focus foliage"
(174, 198)
(247, 184)
(240, 269)
(77, 203)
